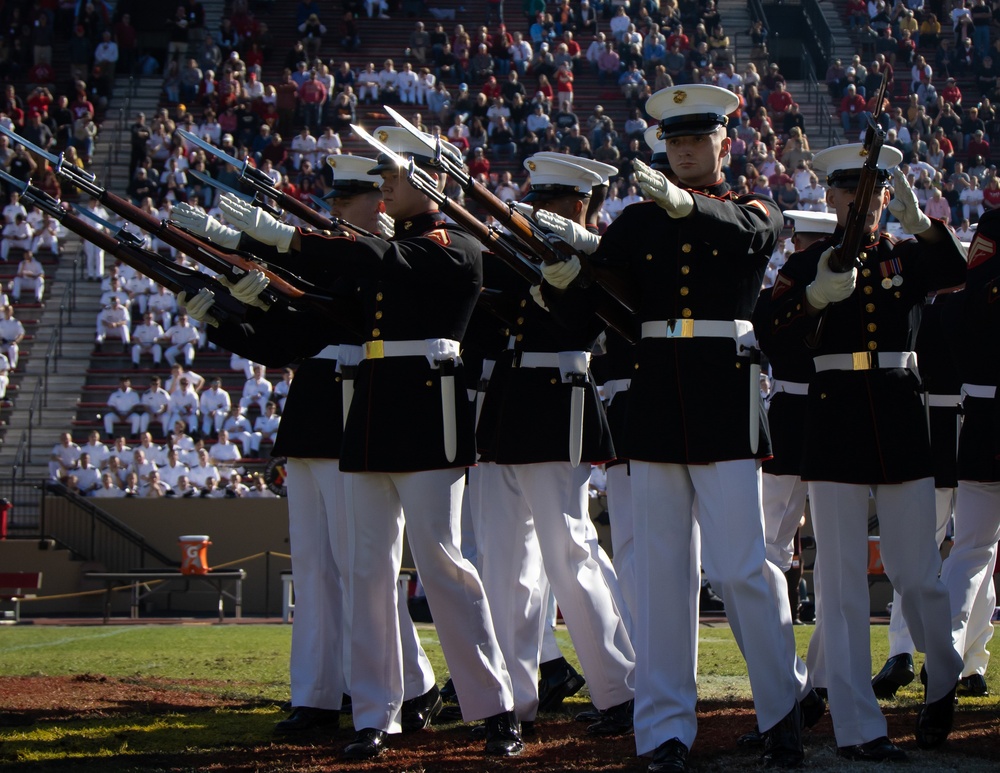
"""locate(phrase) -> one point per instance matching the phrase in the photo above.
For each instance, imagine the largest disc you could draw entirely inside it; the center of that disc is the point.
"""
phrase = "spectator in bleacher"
(408, 85)
(502, 141)
(173, 470)
(156, 488)
(937, 206)
(122, 404)
(265, 427)
(368, 85)
(113, 320)
(11, 335)
(972, 200)
(257, 390)
(631, 83)
(223, 454)
(108, 488)
(280, 393)
(312, 31)
(155, 404)
(388, 82)
(88, 477)
(853, 112)
(215, 405)
(30, 275)
(131, 486)
(978, 147)
(22, 165)
(200, 473)
(17, 235)
(240, 430)
(162, 305)
(146, 340)
(64, 456)
(183, 407)
(182, 338)
(99, 453)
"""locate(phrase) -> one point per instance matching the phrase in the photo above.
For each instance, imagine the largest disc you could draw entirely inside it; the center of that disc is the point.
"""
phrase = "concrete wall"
(240, 531)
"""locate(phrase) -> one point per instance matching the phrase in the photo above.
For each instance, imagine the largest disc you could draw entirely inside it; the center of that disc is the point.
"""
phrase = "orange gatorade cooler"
(875, 556)
(194, 553)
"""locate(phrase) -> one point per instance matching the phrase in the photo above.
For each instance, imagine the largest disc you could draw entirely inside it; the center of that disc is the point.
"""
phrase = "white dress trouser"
(95, 261)
(968, 571)
(320, 537)
(539, 516)
(911, 560)
(622, 536)
(670, 502)
(900, 641)
(432, 501)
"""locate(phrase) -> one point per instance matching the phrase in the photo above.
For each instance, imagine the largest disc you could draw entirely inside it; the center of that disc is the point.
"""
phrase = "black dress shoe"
(879, 750)
(478, 732)
(934, 721)
(897, 672)
(368, 744)
(418, 712)
(503, 736)
(590, 715)
(614, 721)
(973, 685)
(813, 708)
(448, 692)
(305, 719)
(559, 681)
(751, 739)
(783, 742)
(669, 757)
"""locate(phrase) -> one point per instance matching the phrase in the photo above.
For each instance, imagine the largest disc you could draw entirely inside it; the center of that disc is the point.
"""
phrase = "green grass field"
(246, 668)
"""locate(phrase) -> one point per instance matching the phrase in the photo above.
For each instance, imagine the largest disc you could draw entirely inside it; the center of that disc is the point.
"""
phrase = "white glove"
(255, 222)
(525, 208)
(536, 296)
(676, 201)
(829, 286)
(386, 225)
(248, 288)
(197, 221)
(905, 207)
(561, 275)
(572, 233)
(199, 306)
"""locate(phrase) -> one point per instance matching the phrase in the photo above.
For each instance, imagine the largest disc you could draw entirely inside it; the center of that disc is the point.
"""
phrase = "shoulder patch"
(782, 284)
(760, 205)
(440, 235)
(982, 249)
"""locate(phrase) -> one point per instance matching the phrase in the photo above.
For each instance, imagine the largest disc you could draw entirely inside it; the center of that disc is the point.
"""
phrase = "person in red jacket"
(853, 109)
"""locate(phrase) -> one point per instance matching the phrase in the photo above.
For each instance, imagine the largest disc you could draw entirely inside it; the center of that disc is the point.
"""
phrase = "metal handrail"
(34, 409)
(51, 363)
(814, 89)
(21, 458)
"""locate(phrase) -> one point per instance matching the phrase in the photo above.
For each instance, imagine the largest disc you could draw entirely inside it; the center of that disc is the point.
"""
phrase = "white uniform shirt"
(147, 335)
(122, 402)
(180, 335)
(254, 389)
(200, 473)
(215, 400)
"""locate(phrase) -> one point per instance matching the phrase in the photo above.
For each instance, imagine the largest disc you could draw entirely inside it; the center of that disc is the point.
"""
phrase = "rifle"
(263, 186)
(127, 247)
(856, 233)
(233, 266)
(534, 240)
(489, 236)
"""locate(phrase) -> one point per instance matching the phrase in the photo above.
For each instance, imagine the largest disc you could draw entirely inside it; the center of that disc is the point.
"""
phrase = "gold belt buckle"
(680, 328)
(374, 350)
(862, 361)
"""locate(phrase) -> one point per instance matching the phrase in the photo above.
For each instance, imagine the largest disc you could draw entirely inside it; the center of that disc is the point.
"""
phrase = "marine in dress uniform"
(310, 437)
(541, 427)
(942, 400)
(968, 570)
(408, 437)
(865, 429)
(695, 429)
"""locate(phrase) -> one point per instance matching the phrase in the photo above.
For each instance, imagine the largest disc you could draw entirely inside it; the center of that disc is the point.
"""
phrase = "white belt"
(736, 330)
(432, 348)
(551, 359)
(328, 353)
(942, 401)
(615, 386)
(981, 391)
(866, 361)
(789, 387)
